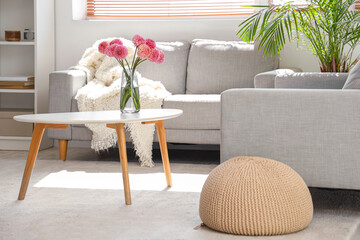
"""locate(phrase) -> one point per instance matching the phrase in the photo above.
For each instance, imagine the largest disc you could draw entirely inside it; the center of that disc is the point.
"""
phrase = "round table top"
(144, 115)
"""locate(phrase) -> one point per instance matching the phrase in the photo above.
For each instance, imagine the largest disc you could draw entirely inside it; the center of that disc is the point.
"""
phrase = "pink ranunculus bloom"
(151, 43)
(109, 50)
(161, 57)
(116, 41)
(102, 47)
(120, 52)
(144, 51)
(138, 40)
(154, 56)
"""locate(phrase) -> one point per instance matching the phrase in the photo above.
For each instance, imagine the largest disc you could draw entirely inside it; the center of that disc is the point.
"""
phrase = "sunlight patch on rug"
(182, 182)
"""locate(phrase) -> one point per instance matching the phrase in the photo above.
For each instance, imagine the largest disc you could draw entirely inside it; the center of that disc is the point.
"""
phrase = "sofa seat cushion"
(215, 66)
(200, 111)
(211, 137)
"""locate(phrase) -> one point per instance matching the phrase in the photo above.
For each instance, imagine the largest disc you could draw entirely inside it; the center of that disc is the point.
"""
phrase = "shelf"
(26, 56)
(23, 43)
(14, 143)
(17, 90)
(15, 138)
(20, 110)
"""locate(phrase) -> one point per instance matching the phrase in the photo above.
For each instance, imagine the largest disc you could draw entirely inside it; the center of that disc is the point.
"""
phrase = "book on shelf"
(16, 78)
(11, 83)
(16, 85)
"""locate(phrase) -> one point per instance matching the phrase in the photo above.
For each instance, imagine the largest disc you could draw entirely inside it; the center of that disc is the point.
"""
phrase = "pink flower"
(138, 40)
(154, 56)
(102, 47)
(144, 51)
(109, 50)
(161, 57)
(116, 41)
(151, 43)
(120, 52)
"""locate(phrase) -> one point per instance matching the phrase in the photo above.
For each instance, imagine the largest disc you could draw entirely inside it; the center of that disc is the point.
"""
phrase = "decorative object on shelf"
(145, 49)
(328, 29)
(29, 34)
(12, 36)
(255, 196)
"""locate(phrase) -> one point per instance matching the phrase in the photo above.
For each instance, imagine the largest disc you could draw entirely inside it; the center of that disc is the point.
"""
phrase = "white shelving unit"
(25, 43)
(17, 90)
(26, 58)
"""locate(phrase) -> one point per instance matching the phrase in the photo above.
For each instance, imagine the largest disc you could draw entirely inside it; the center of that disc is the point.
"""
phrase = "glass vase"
(129, 96)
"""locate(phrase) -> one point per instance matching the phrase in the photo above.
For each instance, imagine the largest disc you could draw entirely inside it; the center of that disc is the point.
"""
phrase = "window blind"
(167, 8)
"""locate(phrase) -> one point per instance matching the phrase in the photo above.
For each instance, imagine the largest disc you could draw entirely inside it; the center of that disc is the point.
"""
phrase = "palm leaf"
(330, 27)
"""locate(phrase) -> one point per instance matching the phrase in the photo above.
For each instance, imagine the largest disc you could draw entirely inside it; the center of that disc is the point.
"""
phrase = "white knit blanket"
(102, 92)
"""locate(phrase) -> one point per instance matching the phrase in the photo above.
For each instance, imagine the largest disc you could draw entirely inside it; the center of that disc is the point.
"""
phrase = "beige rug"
(84, 200)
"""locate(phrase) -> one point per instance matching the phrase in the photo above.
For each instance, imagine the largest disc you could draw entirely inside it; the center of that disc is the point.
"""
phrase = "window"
(304, 3)
(279, 2)
(167, 8)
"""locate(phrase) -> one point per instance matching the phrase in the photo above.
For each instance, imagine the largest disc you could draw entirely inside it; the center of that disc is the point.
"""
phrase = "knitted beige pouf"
(255, 196)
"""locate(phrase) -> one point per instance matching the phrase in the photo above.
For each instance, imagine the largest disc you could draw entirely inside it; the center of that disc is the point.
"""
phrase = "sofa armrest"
(267, 79)
(309, 80)
(62, 88)
(316, 132)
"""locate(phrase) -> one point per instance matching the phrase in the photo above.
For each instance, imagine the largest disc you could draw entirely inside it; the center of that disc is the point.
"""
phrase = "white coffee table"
(113, 119)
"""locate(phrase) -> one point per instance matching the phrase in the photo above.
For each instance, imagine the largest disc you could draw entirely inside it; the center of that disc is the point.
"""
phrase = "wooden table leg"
(119, 127)
(63, 144)
(33, 151)
(164, 151)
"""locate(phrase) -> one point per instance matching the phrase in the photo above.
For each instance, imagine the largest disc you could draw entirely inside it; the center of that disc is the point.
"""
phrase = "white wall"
(73, 37)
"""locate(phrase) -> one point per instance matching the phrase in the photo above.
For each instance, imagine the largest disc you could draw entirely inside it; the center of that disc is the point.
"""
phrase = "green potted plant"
(330, 29)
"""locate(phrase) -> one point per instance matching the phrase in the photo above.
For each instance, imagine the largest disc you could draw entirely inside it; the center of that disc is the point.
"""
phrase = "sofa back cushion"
(172, 72)
(311, 80)
(353, 80)
(215, 66)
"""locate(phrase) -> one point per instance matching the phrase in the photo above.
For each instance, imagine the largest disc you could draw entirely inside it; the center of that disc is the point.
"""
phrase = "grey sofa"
(195, 73)
(308, 122)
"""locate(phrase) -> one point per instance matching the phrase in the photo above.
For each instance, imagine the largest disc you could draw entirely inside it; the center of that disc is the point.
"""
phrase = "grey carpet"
(83, 199)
